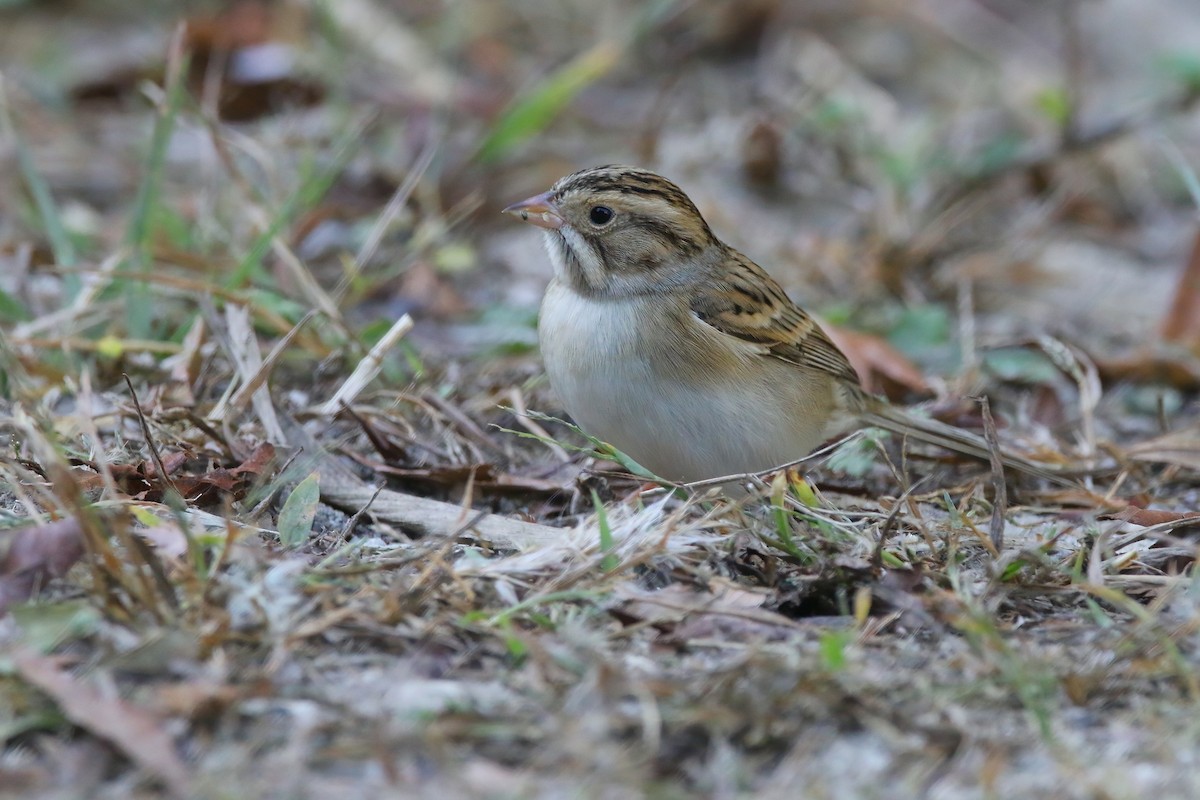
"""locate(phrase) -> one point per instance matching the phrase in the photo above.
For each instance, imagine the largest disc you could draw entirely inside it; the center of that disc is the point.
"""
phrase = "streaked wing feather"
(748, 304)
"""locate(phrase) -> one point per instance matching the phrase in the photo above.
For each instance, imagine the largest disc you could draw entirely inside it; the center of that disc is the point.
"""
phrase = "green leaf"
(610, 560)
(1012, 570)
(902, 169)
(455, 257)
(998, 153)
(599, 448)
(857, 455)
(803, 491)
(277, 304)
(834, 115)
(1182, 67)
(920, 328)
(517, 649)
(298, 512)
(11, 310)
(46, 626)
(832, 646)
(1020, 364)
(1055, 104)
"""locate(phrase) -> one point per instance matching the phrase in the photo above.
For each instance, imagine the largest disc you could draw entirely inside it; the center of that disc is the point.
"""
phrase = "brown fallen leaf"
(35, 554)
(876, 361)
(725, 611)
(1182, 323)
(762, 153)
(141, 481)
(1147, 517)
(195, 699)
(1127, 509)
(1175, 367)
(136, 733)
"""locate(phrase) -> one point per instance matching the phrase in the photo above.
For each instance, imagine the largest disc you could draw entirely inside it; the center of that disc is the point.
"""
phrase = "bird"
(684, 354)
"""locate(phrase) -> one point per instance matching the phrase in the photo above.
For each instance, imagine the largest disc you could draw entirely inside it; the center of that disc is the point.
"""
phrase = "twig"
(170, 490)
(465, 423)
(756, 477)
(340, 487)
(999, 487)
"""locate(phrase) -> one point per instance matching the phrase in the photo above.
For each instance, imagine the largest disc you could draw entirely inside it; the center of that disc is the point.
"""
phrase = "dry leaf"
(195, 699)
(725, 611)
(1147, 517)
(1182, 323)
(876, 361)
(36, 553)
(1176, 368)
(137, 734)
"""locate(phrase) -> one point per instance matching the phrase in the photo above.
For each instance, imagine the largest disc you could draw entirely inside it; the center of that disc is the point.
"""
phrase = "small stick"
(1000, 503)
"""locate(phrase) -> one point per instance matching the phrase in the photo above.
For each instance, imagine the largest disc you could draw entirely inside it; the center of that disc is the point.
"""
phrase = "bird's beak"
(537, 210)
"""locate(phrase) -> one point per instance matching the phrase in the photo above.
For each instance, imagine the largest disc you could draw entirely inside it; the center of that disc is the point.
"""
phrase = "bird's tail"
(884, 415)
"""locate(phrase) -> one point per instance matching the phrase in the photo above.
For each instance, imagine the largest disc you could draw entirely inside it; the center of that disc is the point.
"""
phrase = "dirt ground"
(289, 509)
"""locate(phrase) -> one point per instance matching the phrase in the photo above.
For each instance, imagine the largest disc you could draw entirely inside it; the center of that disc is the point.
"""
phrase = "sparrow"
(681, 352)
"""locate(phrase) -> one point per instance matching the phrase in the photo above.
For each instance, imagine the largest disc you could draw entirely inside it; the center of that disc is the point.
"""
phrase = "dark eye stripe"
(667, 234)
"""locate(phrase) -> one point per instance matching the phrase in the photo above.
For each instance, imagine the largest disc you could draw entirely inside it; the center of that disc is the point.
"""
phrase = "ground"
(228, 568)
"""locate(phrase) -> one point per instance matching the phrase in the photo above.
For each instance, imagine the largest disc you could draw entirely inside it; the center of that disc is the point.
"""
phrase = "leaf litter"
(227, 568)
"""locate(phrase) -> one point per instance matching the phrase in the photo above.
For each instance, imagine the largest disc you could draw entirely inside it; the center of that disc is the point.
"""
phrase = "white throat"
(574, 258)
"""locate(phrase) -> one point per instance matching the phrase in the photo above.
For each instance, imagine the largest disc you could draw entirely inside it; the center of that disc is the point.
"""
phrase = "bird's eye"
(600, 215)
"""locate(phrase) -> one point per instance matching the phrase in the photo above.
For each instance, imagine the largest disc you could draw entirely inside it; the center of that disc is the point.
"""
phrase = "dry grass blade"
(243, 350)
(1181, 448)
(392, 210)
(999, 485)
(366, 369)
(258, 380)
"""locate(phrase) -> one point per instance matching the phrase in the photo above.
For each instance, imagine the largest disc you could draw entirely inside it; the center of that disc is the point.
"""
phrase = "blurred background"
(894, 164)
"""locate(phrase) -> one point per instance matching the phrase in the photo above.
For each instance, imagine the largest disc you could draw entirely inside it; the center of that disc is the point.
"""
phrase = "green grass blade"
(47, 209)
(609, 561)
(533, 112)
(309, 193)
(139, 308)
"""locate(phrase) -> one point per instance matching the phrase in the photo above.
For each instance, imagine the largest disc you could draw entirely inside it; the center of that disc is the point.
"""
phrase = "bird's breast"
(683, 400)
